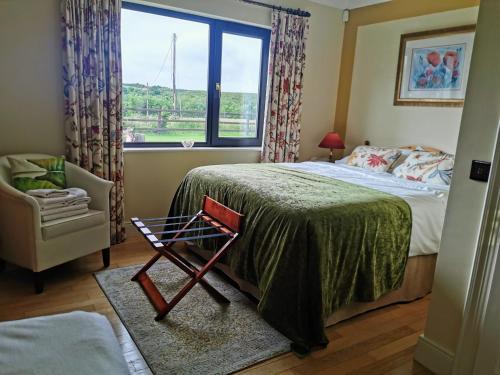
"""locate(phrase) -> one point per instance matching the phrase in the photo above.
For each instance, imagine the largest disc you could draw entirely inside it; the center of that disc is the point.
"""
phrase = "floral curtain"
(93, 95)
(286, 73)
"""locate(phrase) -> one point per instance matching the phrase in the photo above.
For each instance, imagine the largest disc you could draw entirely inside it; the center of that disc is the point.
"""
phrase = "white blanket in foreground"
(427, 202)
(77, 343)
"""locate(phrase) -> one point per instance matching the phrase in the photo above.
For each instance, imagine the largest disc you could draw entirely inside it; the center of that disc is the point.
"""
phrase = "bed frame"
(418, 279)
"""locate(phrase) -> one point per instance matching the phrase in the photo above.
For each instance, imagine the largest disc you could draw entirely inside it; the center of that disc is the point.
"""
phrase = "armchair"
(29, 243)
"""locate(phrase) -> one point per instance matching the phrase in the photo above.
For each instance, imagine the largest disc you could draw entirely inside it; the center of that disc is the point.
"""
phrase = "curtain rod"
(296, 12)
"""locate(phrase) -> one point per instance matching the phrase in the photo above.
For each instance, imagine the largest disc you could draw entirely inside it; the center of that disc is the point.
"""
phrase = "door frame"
(482, 274)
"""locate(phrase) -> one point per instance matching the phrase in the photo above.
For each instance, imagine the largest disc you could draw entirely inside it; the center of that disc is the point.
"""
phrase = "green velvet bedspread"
(310, 243)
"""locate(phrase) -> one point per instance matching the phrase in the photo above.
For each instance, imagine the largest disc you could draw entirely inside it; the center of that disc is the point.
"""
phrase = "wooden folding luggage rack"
(212, 221)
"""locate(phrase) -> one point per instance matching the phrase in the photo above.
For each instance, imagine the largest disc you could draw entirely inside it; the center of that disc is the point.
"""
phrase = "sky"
(147, 55)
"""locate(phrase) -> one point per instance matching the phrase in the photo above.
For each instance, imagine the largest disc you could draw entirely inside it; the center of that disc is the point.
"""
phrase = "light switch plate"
(480, 170)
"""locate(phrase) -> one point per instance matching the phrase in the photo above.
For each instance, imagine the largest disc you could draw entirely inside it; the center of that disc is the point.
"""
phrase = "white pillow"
(343, 160)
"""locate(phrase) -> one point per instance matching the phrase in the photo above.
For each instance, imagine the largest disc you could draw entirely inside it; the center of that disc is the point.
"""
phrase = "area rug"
(199, 336)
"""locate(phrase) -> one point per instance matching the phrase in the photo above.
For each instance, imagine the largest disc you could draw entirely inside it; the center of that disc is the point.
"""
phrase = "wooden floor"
(378, 342)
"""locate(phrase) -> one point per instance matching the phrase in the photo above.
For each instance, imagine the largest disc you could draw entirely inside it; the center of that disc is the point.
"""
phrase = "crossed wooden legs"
(163, 307)
(216, 216)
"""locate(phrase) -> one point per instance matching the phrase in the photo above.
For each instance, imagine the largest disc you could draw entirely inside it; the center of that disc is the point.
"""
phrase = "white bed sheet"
(427, 202)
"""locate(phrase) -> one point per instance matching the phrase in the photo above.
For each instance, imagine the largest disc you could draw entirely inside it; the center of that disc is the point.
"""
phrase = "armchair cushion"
(59, 227)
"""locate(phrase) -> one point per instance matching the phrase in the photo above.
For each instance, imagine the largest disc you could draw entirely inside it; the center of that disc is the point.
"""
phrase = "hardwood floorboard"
(378, 342)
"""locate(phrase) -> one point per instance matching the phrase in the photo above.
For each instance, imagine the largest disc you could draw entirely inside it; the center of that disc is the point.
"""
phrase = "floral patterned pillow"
(429, 167)
(377, 159)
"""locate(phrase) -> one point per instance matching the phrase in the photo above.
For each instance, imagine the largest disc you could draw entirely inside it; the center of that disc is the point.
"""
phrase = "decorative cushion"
(38, 174)
(377, 159)
(405, 152)
(429, 167)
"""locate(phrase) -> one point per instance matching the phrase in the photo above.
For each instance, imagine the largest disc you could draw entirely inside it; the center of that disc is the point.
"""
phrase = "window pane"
(240, 80)
(165, 75)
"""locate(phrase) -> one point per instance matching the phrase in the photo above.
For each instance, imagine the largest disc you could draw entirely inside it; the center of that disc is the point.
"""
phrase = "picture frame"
(433, 67)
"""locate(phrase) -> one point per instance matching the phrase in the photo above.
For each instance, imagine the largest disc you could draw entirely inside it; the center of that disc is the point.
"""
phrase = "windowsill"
(182, 149)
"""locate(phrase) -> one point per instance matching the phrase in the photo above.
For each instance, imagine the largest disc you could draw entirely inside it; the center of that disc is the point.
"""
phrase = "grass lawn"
(175, 137)
(184, 136)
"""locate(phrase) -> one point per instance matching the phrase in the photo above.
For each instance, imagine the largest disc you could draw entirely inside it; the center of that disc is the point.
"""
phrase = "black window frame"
(217, 28)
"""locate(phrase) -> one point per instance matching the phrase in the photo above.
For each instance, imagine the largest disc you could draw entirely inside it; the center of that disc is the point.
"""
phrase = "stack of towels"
(57, 204)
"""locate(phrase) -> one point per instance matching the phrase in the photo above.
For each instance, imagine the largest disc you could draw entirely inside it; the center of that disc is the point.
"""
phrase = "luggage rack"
(214, 220)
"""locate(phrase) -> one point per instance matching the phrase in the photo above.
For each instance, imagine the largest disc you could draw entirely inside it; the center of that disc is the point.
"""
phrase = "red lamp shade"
(332, 140)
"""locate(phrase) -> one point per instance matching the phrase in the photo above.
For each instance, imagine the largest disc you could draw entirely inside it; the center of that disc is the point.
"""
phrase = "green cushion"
(38, 173)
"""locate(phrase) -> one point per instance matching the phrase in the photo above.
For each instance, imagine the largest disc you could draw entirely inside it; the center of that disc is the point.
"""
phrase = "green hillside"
(238, 112)
(134, 97)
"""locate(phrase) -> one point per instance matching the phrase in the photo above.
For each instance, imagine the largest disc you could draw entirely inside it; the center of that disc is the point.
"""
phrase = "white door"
(488, 354)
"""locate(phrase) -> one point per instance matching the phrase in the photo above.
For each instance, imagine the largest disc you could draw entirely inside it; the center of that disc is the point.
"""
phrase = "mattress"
(427, 201)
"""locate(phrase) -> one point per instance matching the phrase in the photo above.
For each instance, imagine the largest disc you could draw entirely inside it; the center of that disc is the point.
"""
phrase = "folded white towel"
(72, 202)
(48, 193)
(64, 209)
(61, 215)
(48, 201)
(74, 195)
(80, 193)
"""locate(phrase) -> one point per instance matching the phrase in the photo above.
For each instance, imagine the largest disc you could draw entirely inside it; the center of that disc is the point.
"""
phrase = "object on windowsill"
(187, 144)
(139, 138)
(332, 141)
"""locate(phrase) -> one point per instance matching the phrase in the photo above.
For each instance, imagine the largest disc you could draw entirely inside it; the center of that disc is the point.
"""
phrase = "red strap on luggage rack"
(219, 219)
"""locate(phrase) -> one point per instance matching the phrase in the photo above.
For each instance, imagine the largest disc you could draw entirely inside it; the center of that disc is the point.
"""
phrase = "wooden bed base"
(212, 217)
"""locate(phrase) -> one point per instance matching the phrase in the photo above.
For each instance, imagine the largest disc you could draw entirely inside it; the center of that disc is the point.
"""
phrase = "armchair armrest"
(20, 226)
(97, 188)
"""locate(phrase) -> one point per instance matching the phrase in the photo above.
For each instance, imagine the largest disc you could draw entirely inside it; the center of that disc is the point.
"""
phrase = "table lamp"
(332, 141)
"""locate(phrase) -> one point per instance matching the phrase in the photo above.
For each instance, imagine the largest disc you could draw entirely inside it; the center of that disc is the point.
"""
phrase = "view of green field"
(149, 114)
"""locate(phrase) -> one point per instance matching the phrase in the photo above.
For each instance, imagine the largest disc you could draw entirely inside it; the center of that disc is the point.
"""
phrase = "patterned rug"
(199, 336)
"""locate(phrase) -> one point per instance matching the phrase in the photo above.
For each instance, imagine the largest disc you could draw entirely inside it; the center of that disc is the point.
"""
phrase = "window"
(191, 78)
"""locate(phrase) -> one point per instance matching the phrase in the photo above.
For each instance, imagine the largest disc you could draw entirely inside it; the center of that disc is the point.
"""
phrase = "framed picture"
(433, 67)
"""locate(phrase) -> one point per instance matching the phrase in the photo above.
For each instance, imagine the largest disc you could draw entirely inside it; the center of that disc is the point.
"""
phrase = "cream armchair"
(29, 243)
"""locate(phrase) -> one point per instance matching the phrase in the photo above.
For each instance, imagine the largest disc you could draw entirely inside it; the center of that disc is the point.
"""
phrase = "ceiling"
(349, 4)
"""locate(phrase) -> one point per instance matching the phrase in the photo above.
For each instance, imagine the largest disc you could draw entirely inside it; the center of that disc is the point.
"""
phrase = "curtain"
(93, 95)
(284, 102)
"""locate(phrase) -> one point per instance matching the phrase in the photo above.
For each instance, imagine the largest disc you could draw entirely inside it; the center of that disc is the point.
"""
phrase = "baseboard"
(433, 356)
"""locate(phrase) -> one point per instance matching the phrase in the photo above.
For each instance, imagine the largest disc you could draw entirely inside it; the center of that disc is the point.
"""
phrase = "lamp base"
(330, 158)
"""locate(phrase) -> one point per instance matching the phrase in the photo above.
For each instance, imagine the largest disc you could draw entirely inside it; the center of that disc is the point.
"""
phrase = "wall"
(152, 177)
(372, 114)
(31, 99)
(389, 11)
(477, 138)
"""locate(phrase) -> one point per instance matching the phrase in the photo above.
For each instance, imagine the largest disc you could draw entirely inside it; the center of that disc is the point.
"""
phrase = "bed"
(322, 242)
(71, 343)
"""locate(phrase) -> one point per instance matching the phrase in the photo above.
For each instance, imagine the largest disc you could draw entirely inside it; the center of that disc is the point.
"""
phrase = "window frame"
(217, 28)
